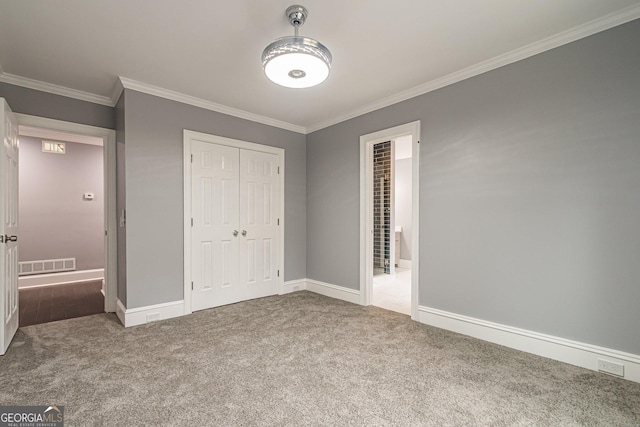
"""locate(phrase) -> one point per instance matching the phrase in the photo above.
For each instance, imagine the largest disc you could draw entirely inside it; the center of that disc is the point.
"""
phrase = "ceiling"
(383, 51)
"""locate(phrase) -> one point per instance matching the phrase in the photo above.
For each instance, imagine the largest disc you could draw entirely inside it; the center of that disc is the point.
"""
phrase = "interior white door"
(259, 205)
(234, 237)
(215, 234)
(9, 224)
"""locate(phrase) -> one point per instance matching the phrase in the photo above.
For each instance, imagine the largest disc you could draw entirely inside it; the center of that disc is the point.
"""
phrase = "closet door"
(259, 207)
(235, 200)
(215, 234)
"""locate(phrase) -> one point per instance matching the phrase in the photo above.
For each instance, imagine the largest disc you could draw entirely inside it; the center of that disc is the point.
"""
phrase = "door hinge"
(192, 158)
(191, 285)
(192, 222)
(278, 170)
(278, 221)
(105, 232)
(278, 273)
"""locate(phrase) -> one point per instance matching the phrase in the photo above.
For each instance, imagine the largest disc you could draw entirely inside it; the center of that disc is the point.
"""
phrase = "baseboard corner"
(333, 291)
(151, 313)
(120, 312)
(293, 286)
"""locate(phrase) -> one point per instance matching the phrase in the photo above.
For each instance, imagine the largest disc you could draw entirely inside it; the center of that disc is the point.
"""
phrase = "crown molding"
(54, 89)
(601, 24)
(208, 105)
(597, 25)
(118, 88)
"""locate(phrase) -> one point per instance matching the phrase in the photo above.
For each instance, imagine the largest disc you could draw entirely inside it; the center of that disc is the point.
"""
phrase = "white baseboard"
(333, 291)
(293, 286)
(120, 309)
(404, 263)
(572, 352)
(60, 278)
(326, 289)
(140, 315)
(151, 313)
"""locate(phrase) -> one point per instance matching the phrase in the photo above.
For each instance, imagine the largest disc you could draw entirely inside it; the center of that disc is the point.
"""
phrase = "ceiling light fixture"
(296, 62)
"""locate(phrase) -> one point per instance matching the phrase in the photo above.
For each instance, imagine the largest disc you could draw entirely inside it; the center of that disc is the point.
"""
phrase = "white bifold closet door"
(235, 240)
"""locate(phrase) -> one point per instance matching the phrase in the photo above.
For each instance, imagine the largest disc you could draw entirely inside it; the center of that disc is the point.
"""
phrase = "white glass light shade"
(296, 62)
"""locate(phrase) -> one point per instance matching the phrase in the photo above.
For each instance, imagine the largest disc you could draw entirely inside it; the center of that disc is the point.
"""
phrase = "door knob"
(7, 239)
(244, 232)
(235, 232)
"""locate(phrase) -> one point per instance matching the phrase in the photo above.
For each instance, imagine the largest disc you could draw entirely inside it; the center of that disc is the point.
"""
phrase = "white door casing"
(108, 137)
(9, 223)
(233, 191)
(366, 210)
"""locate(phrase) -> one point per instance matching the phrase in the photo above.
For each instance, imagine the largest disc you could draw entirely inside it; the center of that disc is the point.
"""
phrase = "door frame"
(188, 136)
(110, 214)
(366, 209)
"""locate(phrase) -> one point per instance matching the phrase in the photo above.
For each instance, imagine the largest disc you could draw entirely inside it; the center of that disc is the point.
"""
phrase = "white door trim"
(189, 136)
(366, 209)
(110, 215)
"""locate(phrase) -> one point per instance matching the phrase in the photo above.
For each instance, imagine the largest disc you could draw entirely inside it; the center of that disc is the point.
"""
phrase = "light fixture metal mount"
(296, 61)
(296, 15)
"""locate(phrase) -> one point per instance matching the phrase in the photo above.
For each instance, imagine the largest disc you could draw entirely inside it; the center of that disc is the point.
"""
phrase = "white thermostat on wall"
(89, 196)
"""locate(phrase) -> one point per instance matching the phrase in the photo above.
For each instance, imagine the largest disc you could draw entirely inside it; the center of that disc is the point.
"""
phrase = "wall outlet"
(152, 317)
(612, 368)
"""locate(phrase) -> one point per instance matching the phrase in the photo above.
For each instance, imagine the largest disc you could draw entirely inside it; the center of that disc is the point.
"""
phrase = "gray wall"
(404, 205)
(529, 200)
(121, 200)
(36, 103)
(154, 191)
(55, 221)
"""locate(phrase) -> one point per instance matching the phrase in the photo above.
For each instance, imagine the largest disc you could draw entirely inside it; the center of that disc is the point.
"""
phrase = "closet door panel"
(215, 212)
(259, 204)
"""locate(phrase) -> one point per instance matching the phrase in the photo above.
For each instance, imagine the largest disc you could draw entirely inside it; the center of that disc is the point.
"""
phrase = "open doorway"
(67, 218)
(392, 217)
(389, 165)
(61, 216)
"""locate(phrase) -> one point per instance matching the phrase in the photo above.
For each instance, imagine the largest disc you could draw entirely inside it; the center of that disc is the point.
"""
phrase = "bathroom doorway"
(392, 217)
(389, 218)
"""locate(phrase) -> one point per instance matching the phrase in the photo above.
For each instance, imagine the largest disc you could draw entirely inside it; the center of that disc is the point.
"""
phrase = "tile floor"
(50, 303)
(393, 293)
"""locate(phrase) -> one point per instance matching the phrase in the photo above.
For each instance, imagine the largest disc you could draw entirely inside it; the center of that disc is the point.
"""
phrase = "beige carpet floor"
(298, 359)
